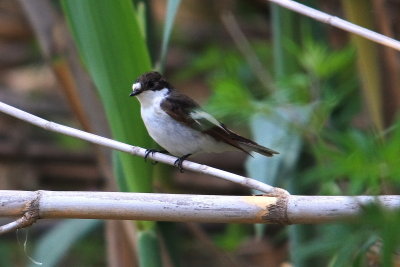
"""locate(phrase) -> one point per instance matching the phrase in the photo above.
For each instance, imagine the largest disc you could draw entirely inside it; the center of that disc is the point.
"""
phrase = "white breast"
(175, 137)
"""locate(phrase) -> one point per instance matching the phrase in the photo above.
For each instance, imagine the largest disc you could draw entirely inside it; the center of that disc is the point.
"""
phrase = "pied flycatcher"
(178, 124)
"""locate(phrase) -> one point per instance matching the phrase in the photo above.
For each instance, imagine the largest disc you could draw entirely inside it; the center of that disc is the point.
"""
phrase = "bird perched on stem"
(178, 124)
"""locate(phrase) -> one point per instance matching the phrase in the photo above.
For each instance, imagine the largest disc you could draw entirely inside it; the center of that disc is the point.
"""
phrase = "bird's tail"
(245, 144)
(258, 148)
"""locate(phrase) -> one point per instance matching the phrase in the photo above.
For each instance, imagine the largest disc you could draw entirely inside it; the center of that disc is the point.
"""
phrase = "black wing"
(188, 112)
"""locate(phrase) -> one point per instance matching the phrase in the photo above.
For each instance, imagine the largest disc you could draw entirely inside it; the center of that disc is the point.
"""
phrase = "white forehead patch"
(136, 86)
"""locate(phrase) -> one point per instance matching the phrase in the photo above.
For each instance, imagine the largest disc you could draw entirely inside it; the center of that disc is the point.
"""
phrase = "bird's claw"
(152, 151)
(179, 161)
(148, 152)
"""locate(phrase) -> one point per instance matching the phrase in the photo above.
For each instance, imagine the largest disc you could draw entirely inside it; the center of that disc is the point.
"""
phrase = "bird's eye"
(150, 84)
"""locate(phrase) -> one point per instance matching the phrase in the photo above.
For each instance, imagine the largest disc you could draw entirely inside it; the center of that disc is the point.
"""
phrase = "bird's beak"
(137, 89)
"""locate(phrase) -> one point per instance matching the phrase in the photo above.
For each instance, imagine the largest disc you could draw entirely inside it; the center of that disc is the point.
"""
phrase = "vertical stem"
(282, 22)
(391, 65)
(359, 12)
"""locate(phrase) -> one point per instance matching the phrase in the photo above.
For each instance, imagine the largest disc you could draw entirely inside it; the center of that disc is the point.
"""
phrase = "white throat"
(150, 98)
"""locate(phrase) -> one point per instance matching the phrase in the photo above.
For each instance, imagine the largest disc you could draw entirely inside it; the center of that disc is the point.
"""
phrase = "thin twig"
(14, 225)
(30, 215)
(390, 63)
(244, 46)
(138, 151)
(339, 23)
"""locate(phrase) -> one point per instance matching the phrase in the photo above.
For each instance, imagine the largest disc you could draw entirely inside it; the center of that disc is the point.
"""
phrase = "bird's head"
(150, 81)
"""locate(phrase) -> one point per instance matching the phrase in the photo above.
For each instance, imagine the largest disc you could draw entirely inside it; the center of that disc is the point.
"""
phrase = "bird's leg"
(179, 161)
(152, 151)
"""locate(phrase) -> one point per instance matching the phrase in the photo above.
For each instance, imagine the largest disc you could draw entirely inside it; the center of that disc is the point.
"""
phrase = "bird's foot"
(179, 161)
(152, 151)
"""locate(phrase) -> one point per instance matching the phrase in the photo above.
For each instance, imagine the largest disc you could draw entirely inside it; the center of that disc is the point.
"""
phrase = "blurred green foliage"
(233, 84)
(69, 233)
(362, 161)
(375, 235)
(232, 237)
(338, 158)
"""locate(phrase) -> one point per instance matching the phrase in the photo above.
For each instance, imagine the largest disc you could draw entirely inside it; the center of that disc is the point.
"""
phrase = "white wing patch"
(202, 115)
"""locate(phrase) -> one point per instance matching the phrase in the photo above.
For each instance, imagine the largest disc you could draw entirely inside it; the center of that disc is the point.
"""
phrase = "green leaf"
(141, 19)
(278, 130)
(283, 22)
(148, 249)
(172, 9)
(114, 52)
(52, 247)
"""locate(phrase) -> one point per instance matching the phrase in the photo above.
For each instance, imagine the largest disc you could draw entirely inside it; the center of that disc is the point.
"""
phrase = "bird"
(179, 125)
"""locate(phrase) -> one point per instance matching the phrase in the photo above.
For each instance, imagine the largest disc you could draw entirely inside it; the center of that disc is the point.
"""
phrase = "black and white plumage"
(180, 126)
